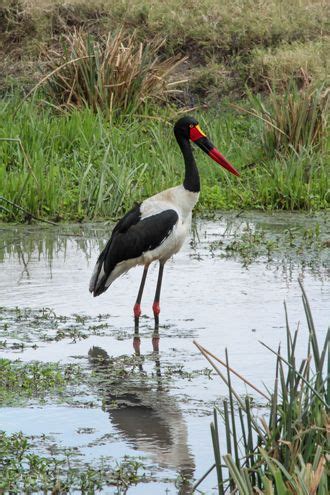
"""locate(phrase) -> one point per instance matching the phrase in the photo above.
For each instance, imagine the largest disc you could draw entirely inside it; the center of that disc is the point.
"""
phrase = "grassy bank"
(105, 141)
(77, 166)
(228, 44)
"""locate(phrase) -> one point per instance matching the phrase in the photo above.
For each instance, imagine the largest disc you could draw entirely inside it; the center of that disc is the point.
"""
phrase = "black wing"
(130, 218)
(130, 238)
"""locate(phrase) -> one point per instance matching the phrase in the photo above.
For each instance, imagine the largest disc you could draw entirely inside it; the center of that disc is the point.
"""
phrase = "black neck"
(191, 179)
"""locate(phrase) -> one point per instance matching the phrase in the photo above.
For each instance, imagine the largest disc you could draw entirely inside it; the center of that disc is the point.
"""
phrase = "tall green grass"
(295, 120)
(79, 166)
(284, 451)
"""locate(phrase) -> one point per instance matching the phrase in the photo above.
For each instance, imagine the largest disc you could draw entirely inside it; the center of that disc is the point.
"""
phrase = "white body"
(176, 198)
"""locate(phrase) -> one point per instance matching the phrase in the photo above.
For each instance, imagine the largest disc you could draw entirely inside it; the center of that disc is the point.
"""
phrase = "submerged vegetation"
(19, 381)
(248, 243)
(23, 470)
(21, 328)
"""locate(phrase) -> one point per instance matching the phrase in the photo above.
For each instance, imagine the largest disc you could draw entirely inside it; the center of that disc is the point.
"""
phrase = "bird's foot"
(155, 343)
(136, 345)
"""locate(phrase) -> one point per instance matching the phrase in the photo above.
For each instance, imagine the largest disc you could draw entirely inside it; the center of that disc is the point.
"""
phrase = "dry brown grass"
(228, 42)
(109, 74)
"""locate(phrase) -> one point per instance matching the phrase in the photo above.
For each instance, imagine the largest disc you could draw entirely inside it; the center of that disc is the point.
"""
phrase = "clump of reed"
(112, 73)
(294, 120)
(283, 452)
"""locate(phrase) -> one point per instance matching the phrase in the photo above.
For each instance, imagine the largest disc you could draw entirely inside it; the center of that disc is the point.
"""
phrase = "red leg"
(137, 312)
(156, 308)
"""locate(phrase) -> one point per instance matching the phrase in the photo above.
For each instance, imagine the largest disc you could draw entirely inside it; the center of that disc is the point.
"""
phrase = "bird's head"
(188, 128)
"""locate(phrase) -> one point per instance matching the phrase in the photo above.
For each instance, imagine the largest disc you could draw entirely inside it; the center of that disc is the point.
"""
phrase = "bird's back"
(131, 238)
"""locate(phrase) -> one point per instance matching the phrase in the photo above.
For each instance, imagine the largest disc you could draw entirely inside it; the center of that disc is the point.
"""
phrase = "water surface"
(225, 289)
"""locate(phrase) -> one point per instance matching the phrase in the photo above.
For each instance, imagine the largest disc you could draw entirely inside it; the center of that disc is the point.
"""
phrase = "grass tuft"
(295, 120)
(109, 73)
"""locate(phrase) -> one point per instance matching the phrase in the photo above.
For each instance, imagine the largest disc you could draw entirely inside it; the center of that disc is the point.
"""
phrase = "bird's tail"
(98, 279)
(97, 284)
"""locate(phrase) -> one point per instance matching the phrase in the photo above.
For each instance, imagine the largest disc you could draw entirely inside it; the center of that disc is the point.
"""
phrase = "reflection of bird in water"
(156, 229)
(146, 414)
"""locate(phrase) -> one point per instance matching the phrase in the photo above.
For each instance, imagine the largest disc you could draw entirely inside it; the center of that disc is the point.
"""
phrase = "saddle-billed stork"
(156, 228)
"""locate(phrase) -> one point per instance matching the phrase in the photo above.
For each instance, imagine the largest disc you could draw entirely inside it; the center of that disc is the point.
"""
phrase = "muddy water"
(225, 289)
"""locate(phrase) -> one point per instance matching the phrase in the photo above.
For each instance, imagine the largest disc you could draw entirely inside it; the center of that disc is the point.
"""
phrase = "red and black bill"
(199, 138)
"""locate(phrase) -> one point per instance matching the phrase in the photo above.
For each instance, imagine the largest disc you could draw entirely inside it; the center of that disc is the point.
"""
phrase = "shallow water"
(221, 296)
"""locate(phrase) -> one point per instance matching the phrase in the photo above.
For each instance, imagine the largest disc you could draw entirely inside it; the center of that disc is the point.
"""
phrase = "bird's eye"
(191, 125)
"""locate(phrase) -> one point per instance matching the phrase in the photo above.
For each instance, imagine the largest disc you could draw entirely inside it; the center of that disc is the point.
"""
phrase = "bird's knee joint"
(137, 310)
(156, 308)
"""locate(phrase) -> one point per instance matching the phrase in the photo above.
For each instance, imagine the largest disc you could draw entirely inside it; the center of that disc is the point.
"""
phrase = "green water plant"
(249, 244)
(21, 381)
(283, 452)
(23, 469)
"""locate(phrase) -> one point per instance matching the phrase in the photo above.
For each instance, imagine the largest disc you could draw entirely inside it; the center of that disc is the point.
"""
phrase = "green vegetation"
(27, 464)
(19, 381)
(21, 328)
(97, 129)
(249, 244)
(88, 97)
(276, 66)
(295, 120)
(78, 166)
(22, 470)
(284, 453)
